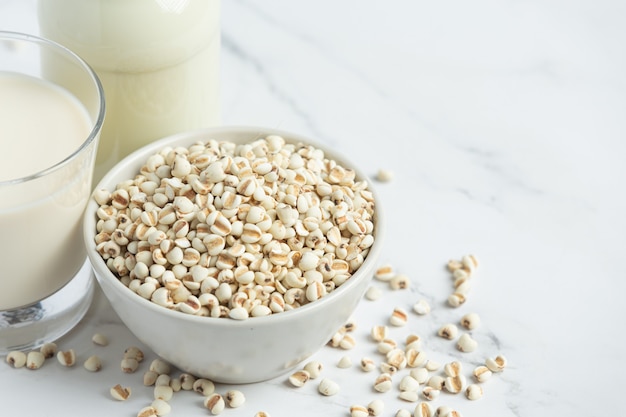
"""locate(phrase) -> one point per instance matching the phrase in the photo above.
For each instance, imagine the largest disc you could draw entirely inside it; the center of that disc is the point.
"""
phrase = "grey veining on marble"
(503, 123)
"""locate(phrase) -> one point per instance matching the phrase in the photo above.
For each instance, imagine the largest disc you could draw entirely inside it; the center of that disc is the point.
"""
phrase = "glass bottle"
(158, 61)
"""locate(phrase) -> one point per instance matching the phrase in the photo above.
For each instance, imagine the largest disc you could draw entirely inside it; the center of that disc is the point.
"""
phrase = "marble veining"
(503, 123)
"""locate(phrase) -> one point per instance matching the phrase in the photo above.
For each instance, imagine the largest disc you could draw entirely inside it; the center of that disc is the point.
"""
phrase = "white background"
(503, 123)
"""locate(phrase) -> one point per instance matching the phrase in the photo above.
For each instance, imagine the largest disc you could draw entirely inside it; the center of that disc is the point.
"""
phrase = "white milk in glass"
(158, 61)
(41, 124)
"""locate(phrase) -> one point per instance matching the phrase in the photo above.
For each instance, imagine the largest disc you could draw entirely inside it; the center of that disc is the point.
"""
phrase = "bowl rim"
(102, 272)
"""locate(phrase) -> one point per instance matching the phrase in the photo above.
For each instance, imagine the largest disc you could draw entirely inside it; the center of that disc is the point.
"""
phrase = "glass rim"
(97, 125)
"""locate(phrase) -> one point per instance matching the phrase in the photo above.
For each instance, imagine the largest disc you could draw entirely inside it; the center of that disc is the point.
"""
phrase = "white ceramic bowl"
(222, 349)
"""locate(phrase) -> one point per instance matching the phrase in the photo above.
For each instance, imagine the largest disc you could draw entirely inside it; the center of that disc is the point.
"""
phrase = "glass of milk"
(158, 61)
(51, 114)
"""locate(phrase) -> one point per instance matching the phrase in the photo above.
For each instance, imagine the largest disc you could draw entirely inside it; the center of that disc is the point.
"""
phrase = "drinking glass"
(46, 284)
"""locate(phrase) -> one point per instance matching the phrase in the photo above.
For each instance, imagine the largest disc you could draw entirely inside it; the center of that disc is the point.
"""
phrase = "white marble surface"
(503, 123)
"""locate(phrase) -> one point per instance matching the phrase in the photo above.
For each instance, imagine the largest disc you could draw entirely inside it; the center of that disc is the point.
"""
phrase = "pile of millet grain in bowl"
(236, 230)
